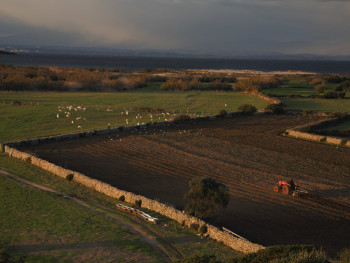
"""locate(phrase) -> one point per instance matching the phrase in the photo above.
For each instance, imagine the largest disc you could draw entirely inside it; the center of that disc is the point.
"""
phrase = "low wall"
(315, 137)
(164, 209)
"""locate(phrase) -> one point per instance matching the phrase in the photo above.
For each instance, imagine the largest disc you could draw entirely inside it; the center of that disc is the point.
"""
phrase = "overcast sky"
(207, 26)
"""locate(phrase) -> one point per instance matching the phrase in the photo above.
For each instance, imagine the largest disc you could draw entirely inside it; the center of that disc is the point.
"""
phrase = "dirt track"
(245, 153)
(151, 239)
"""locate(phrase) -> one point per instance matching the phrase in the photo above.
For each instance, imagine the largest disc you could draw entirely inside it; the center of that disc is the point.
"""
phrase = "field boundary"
(298, 134)
(228, 238)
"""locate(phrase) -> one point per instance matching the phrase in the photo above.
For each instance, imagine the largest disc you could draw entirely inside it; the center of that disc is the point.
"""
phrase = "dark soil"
(247, 154)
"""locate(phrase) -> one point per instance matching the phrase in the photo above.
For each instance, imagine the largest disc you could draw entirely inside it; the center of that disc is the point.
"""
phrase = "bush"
(343, 141)
(344, 255)
(323, 139)
(338, 115)
(315, 256)
(223, 113)
(182, 118)
(70, 177)
(194, 227)
(122, 198)
(199, 259)
(4, 257)
(319, 88)
(341, 95)
(279, 254)
(274, 108)
(138, 203)
(246, 109)
(330, 95)
(203, 229)
(16, 102)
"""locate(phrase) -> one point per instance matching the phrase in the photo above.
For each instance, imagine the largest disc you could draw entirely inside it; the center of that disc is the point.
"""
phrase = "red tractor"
(285, 187)
(290, 188)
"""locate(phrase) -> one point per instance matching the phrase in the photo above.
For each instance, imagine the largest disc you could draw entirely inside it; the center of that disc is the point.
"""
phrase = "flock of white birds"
(131, 117)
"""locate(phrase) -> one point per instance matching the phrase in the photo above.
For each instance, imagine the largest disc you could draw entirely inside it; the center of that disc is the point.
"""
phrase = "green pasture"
(341, 127)
(303, 91)
(44, 227)
(295, 87)
(317, 105)
(33, 220)
(37, 114)
(298, 83)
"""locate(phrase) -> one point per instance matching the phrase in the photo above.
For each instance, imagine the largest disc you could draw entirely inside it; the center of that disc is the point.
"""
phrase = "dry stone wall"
(295, 132)
(213, 232)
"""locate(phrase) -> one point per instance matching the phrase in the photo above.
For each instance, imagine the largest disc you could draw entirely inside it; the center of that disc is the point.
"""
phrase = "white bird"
(72, 122)
(58, 116)
(79, 127)
(78, 118)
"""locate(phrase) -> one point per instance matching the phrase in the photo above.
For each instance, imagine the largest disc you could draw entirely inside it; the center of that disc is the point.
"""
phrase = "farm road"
(151, 239)
(247, 154)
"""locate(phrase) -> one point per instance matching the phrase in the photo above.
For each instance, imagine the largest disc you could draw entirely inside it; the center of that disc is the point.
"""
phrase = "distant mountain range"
(95, 51)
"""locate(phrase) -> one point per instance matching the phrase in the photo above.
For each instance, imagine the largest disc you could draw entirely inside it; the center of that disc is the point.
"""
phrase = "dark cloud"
(228, 26)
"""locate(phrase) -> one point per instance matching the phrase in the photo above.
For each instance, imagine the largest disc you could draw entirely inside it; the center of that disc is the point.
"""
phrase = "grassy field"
(40, 226)
(321, 105)
(44, 227)
(297, 88)
(341, 127)
(37, 114)
(304, 91)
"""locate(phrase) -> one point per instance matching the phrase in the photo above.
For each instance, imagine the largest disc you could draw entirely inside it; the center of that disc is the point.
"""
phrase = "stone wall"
(164, 209)
(295, 132)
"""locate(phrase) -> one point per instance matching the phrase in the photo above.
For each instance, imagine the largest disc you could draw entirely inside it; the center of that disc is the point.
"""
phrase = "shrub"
(122, 198)
(338, 115)
(307, 112)
(138, 203)
(330, 95)
(16, 102)
(246, 109)
(323, 139)
(70, 177)
(344, 255)
(284, 254)
(4, 257)
(199, 259)
(274, 108)
(315, 256)
(223, 113)
(194, 227)
(343, 141)
(341, 95)
(319, 88)
(203, 229)
(182, 118)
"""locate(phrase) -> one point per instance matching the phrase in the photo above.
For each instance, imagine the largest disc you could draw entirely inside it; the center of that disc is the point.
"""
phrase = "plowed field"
(245, 153)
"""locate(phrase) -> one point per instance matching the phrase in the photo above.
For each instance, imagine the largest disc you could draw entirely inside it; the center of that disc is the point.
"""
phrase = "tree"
(206, 197)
